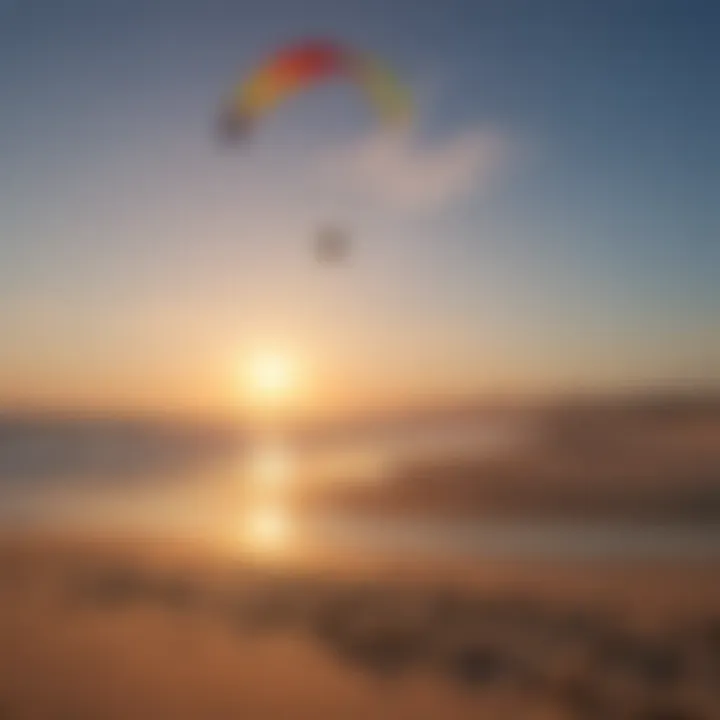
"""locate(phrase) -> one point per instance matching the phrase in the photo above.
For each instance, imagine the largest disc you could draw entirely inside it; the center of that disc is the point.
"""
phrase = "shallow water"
(163, 484)
(524, 540)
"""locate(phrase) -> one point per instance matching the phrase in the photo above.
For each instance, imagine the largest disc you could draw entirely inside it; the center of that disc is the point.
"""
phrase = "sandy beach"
(120, 629)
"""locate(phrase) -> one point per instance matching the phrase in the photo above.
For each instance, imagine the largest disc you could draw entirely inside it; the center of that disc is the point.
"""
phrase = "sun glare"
(269, 465)
(267, 527)
(270, 376)
(269, 382)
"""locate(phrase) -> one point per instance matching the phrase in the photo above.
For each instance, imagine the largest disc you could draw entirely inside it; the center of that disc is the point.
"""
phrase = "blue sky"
(139, 258)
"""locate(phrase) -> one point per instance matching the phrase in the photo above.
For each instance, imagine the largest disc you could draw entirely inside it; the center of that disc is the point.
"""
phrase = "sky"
(550, 223)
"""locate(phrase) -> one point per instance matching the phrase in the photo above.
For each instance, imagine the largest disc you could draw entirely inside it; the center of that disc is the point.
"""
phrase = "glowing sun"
(269, 377)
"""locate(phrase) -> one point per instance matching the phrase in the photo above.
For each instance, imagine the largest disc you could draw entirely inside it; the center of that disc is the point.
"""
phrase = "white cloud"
(406, 174)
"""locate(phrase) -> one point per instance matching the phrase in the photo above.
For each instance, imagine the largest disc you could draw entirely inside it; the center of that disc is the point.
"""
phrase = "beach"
(140, 629)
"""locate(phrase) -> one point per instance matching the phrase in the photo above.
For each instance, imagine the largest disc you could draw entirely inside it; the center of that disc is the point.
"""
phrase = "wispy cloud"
(406, 173)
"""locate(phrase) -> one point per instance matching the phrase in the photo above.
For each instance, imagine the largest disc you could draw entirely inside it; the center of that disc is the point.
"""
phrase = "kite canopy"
(301, 65)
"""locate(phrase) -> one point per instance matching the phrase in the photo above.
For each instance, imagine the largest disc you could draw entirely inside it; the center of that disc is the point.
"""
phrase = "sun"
(269, 376)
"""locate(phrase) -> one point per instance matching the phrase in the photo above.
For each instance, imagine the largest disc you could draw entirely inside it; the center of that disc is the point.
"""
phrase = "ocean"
(185, 481)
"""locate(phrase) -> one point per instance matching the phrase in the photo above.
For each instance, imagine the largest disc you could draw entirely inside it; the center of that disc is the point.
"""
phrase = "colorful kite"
(298, 66)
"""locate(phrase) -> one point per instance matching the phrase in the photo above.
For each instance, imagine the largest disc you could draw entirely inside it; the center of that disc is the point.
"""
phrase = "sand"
(139, 630)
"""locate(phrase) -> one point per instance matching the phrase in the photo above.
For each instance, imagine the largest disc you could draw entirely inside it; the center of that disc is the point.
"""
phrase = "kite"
(302, 65)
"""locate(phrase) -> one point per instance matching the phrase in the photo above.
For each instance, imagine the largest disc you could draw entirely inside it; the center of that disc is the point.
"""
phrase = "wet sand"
(109, 629)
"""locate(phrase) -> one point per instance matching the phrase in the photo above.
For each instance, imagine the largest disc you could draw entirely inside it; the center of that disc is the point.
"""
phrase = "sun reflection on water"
(267, 527)
(269, 466)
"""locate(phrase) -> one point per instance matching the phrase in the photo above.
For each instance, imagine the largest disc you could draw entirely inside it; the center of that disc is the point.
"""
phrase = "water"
(525, 540)
(191, 482)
